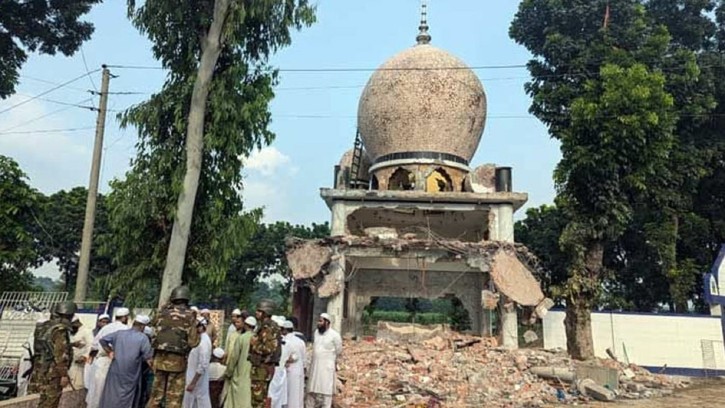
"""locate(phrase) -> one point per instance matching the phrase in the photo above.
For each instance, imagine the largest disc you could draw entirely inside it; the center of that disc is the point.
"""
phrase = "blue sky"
(313, 112)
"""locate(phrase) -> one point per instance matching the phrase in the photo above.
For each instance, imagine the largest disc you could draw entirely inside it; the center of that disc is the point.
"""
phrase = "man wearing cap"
(277, 391)
(100, 359)
(234, 328)
(216, 376)
(81, 340)
(264, 352)
(101, 322)
(52, 358)
(238, 383)
(211, 328)
(325, 351)
(127, 349)
(197, 371)
(176, 336)
(295, 366)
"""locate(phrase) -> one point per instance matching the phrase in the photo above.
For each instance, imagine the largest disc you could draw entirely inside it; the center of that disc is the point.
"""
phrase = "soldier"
(176, 335)
(53, 355)
(264, 352)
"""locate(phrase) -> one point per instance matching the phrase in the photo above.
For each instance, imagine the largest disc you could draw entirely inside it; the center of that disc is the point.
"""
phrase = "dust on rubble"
(455, 370)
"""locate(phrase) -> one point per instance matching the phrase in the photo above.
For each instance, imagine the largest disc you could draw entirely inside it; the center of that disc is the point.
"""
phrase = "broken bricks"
(437, 372)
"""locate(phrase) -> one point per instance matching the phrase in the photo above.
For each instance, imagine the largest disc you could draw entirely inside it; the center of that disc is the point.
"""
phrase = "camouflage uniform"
(51, 361)
(170, 360)
(264, 354)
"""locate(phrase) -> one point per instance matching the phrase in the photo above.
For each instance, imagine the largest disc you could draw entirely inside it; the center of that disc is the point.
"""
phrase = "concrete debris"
(409, 332)
(331, 286)
(307, 258)
(515, 280)
(381, 233)
(489, 300)
(437, 373)
(543, 308)
(481, 180)
(530, 336)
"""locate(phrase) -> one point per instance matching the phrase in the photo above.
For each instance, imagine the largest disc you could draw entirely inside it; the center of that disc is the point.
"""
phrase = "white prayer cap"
(143, 319)
(326, 317)
(236, 312)
(122, 311)
(251, 321)
(205, 311)
(194, 308)
(288, 325)
(104, 316)
(218, 352)
(279, 320)
(148, 331)
(202, 321)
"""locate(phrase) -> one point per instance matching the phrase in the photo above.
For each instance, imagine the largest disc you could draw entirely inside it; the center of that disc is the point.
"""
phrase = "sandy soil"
(704, 393)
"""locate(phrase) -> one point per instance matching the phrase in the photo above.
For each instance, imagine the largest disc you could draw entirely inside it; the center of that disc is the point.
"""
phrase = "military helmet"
(180, 293)
(66, 308)
(267, 306)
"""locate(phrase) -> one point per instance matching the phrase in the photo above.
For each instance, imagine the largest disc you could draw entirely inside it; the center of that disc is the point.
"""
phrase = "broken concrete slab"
(381, 233)
(590, 388)
(514, 279)
(331, 286)
(409, 332)
(307, 258)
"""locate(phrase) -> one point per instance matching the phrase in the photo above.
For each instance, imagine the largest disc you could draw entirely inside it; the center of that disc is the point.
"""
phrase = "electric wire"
(37, 118)
(55, 88)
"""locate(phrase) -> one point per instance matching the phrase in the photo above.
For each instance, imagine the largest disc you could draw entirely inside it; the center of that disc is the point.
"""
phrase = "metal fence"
(29, 305)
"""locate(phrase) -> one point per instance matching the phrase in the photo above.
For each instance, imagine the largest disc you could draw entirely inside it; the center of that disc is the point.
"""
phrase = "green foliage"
(44, 26)
(62, 217)
(19, 251)
(540, 231)
(142, 207)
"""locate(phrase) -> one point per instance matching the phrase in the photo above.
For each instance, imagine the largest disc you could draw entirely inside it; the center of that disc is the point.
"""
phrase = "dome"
(407, 113)
(346, 161)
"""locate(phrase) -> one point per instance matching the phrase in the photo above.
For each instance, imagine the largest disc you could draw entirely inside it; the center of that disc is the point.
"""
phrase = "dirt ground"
(703, 393)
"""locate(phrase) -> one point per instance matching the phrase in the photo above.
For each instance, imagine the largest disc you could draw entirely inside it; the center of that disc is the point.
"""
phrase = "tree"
(212, 110)
(44, 26)
(599, 88)
(540, 231)
(19, 251)
(62, 217)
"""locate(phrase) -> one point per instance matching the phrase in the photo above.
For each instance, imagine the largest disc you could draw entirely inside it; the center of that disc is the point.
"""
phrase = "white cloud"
(53, 160)
(266, 161)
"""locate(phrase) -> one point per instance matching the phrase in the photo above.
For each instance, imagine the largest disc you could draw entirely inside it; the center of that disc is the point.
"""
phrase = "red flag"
(606, 17)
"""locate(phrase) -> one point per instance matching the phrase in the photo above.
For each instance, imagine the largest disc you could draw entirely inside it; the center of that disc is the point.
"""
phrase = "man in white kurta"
(295, 366)
(197, 370)
(101, 362)
(277, 391)
(326, 349)
(81, 340)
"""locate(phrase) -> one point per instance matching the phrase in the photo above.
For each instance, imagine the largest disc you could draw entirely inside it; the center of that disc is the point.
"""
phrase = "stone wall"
(70, 399)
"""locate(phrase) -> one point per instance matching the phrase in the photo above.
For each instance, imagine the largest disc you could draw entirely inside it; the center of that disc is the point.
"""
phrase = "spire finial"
(423, 36)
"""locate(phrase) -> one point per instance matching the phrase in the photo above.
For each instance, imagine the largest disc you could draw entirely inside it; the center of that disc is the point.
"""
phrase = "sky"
(314, 113)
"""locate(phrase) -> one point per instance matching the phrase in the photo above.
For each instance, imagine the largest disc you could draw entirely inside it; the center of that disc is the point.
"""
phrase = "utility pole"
(84, 263)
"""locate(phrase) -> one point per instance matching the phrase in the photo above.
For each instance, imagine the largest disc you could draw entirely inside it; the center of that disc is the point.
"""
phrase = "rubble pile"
(462, 371)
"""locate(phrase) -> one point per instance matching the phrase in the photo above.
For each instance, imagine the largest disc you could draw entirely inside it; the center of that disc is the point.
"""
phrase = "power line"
(85, 64)
(45, 81)
(27, 132)
(61, 102)
(48, 91)
(480, 67)
(35, 119)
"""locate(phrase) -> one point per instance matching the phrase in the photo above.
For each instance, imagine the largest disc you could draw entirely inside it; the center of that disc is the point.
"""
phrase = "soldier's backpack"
(172, 331)
(43, 342)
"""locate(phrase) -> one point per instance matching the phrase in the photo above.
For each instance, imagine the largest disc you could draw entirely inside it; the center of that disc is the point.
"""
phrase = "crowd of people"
(175, 360)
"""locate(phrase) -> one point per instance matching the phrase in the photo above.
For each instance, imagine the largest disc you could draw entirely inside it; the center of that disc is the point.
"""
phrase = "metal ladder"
(353, 181)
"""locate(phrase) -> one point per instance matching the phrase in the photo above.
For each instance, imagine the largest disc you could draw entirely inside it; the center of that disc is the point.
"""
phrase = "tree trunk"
(211, 48)
(578, 321)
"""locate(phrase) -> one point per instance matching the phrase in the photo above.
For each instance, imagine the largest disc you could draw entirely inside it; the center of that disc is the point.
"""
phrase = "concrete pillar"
(336, 302)
(486, 315)
(509, 320)
(338, 224)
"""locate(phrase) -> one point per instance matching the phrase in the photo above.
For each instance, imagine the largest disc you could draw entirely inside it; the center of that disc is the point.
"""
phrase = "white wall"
(650, 339)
